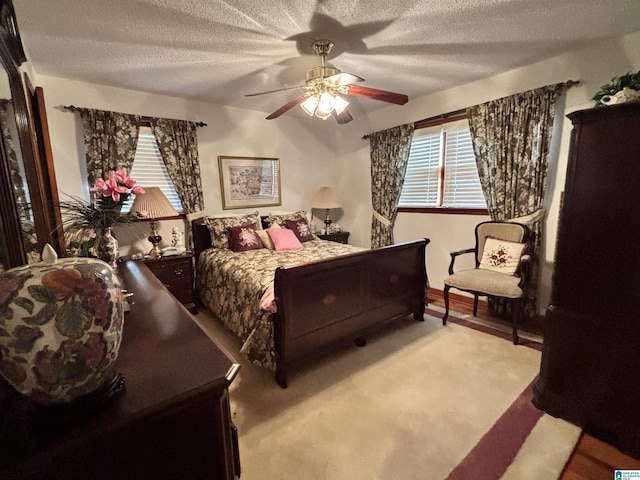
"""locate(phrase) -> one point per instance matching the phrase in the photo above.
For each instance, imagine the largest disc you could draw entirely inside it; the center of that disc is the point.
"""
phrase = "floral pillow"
(218, 227)
(502, 255)
(301, 228)
(244, 238)
(279, 219)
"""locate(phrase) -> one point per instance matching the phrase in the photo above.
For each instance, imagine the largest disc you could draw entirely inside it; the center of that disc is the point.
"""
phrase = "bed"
(325, 293)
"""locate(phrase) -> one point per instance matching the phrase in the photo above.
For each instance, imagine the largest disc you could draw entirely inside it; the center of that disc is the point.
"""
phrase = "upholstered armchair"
(501, 267)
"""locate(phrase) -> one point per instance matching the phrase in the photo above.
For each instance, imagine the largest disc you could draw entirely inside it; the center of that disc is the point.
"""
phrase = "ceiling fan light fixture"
(339, 104)
(309, 105)
(325, 104)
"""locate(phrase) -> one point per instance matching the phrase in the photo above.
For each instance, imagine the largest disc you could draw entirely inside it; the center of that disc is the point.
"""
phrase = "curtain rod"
(455, 113)
(144, 118)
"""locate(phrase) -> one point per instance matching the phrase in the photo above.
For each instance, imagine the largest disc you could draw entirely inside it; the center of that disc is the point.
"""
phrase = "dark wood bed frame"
(328, 302)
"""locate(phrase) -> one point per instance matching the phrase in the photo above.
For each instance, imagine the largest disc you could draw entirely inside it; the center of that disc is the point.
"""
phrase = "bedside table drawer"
(340, 237)
(176, 273)
(173, 272)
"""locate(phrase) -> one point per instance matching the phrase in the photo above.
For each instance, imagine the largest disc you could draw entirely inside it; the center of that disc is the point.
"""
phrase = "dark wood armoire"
(590, 369)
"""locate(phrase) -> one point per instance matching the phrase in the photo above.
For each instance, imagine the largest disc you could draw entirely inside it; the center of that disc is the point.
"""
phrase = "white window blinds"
(149, 170)
(461, 182)
(441, 171)
(421, 180)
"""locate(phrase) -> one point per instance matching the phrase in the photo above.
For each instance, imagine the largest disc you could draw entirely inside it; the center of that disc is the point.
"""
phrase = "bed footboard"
(322, 304)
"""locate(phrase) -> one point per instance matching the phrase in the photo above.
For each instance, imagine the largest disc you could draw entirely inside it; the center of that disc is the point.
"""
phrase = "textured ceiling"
(217, 51)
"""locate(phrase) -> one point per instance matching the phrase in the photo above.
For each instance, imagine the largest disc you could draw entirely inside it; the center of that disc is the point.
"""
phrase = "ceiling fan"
(325, 84)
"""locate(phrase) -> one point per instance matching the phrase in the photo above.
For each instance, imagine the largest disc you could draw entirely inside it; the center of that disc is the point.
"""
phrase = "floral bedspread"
(231, 285)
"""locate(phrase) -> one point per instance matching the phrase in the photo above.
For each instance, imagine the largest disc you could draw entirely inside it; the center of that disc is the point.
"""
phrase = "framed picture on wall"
(248, 182)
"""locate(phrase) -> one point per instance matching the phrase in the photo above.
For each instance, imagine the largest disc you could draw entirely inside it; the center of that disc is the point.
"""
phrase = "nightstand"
(340, 237)
(176, 273)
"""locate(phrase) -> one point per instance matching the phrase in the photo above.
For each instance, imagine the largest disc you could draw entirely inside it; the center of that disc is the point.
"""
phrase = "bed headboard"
(202, 237)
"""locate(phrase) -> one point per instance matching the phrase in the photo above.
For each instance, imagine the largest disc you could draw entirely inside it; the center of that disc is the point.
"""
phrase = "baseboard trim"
(436, 295)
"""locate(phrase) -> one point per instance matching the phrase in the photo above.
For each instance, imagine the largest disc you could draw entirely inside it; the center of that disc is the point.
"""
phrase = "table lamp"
(325, 198)
(153, 204)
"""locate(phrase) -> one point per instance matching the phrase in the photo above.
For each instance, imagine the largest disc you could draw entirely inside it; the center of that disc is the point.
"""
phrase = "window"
(442, 170)
(149, 170)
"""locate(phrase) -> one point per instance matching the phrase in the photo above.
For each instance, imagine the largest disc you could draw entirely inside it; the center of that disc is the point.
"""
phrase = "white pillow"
(502, 255)
(266, 239)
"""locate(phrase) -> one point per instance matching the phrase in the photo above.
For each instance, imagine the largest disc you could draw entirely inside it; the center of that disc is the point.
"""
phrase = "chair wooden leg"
(475, 305)
(517, 308)
(446, 304)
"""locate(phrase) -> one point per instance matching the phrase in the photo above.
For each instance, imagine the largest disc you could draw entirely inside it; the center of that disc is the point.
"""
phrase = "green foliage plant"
(628, 80)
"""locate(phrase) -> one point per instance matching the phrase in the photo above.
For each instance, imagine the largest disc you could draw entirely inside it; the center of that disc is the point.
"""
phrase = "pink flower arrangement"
(105, 210)
(117, 185)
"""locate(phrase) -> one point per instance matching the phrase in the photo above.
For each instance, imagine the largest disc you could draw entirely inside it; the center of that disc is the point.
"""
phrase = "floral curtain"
(110, 140)
(511, 138)
(389, 156)
(178, 144)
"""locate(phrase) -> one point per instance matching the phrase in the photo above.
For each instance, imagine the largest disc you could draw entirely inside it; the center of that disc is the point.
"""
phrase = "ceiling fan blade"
(274, 91)
(344, 117)
(344, 79)
(288, 106)
(375, 94)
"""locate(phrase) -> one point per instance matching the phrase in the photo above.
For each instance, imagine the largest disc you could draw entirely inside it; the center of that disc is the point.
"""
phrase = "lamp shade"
(325, 198)
(154, 202)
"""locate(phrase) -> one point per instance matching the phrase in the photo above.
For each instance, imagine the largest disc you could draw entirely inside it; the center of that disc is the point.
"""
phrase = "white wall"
(594, 66)
(306, 162)
(323, 153)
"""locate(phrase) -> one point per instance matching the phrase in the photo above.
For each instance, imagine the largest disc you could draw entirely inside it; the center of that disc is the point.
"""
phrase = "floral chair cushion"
(502, 255)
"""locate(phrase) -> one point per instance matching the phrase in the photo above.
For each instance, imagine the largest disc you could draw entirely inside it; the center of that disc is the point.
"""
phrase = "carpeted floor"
(420, 401)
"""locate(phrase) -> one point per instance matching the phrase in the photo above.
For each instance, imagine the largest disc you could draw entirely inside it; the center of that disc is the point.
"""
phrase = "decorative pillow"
(284, 239)
(502, 255)
(300, 228)
(266, 239)
(244, 238)
(279, 219)
(218, 226)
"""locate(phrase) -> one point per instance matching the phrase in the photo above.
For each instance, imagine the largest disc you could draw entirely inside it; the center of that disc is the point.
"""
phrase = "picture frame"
(248, 182)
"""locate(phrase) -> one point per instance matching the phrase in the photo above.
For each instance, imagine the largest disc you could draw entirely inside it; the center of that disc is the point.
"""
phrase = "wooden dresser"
(173, 420)
(590, 371)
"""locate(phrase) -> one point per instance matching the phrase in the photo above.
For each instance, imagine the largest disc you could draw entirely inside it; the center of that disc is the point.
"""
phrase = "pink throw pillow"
(300, 228)
(284, 239)
(244, 238)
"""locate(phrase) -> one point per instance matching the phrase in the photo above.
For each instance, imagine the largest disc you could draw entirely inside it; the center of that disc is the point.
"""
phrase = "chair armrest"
(525, 263)
(455, 254)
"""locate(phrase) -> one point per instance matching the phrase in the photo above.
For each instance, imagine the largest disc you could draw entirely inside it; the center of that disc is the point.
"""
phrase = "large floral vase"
(60, 328)
(107, 247)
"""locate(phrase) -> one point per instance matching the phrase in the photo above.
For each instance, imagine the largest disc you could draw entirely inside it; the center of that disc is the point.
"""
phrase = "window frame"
(441, 120)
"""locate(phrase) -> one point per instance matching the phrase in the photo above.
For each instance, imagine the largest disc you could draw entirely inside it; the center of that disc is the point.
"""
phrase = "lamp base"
(155, 252)
(327, 222)
(155, 240)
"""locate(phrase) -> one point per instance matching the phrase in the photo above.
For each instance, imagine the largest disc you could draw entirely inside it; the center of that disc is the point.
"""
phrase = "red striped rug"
(496, 451)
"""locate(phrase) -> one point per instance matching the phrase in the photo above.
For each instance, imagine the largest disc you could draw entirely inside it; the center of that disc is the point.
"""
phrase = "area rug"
(420, 401)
